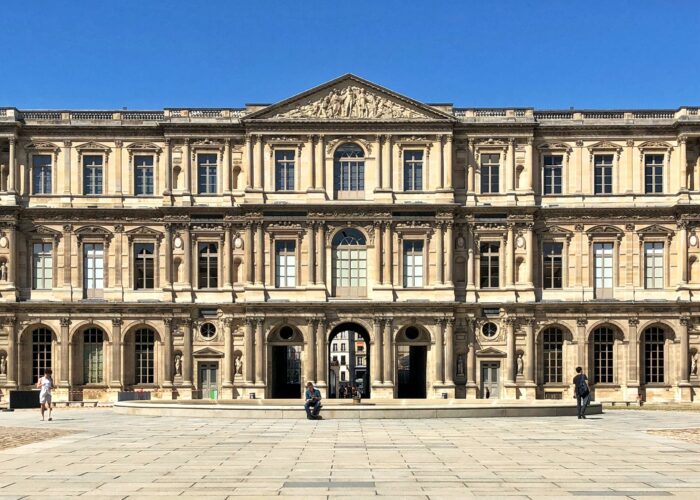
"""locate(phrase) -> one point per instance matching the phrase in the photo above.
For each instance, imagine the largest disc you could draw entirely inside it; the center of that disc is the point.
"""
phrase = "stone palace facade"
(449, 252)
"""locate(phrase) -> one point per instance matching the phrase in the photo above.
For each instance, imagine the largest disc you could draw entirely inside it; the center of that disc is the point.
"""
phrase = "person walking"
(582, 392)
(46, 385)
(313, 402)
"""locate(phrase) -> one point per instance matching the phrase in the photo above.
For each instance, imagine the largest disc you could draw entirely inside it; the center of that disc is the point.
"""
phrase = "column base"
(255, 293)
(382, 392)
(527, 391)
(184, 392)
(61, 394)
(631, 392)
(227, 392)
(685, 392)
(316, 194)
(472, 391)
(510, 391)
(443, 391)
(254, 195)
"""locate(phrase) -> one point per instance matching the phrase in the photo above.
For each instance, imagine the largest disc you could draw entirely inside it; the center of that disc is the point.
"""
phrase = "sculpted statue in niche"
(460, 365)
(350, 102)
(238, 365)
(3, 271)
(178, 365)
(694, 365)
(3, 364)
(520, 364)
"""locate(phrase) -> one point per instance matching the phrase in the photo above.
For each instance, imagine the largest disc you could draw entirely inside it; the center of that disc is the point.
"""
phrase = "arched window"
(349, 171)
(552, 348)
(93, 359)
(41, 352)
(350, 263)
(654, 355)
(144, 355)
(603, 344)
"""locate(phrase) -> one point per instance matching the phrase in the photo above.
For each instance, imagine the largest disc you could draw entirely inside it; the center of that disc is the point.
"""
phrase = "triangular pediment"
(556, 231)
(349, 98)
(144, 231)
(655, 229)
(491, 352)
(209, 353)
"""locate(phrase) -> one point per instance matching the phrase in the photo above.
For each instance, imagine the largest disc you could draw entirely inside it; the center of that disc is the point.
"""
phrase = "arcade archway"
(348, 361)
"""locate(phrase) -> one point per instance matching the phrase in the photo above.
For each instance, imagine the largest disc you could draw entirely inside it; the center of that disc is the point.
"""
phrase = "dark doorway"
(411, 361)
(348, 362)
(286, 372)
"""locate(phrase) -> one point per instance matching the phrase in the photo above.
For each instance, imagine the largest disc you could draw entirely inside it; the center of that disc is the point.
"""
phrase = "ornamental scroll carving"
(350, 102)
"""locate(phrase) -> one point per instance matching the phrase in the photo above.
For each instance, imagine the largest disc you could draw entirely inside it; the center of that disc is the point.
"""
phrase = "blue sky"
(148, 54)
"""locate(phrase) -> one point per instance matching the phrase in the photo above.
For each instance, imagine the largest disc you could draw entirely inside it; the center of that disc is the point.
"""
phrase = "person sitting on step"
(313, 402)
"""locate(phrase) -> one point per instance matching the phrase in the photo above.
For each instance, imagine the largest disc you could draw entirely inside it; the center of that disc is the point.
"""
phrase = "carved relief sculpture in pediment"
(350, 102)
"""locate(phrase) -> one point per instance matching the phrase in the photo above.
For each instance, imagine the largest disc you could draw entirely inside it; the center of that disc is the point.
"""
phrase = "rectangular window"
(41, 174)
(93, 359)
(208, 265)
(603, 166)
(92, 174)
(284, 170)
(603, 255)
(413, 263)
(93, 269)
(552, 266)
(42, 267)
(144, 275)
(413, 171)
(489, 264)
(143, 172)
(285, 264)
(144, 356)
(206, 173)
(490, 173)
(654, 264)
(653, 174)
(553, 165)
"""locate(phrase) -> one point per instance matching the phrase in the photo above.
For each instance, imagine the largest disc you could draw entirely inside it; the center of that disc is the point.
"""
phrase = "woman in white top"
(46, 384)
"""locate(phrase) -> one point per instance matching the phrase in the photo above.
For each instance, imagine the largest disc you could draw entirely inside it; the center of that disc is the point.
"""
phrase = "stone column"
(227, 166)
(259, 352)
(167, 166)
(66, 166)
(509, 261)
(187, 353)
(13, 351)
(310, 368)
(321, 165)
(683, 366)
(187, 166)
(259, 158)
(187, 261)
(260, 254)
(12, 167)
(387, 165)
(321, 352)
(249, 244)
(378, 252)
(321, 249)
(380, 154)
(248, 156)
(441, 160)
(683, 250)
(529, 166)
(376, 355)
(440, 237)
(449, 352)
(529, 247)
(683, 159)
(226, 257)
(168, 256)
(439, 352)
(510, 349)
(13, 261)
(227, 380)
(168, 352)
(581, 340)
(530, 351)
(117, 344)
(388, 357)
(64, 378)
(633, 353)
(471, 167)
(471, 361)
(450, 252)
(118, 168)
(249, 360)
(67, 228)
(311, 237)
(448, 162)
(388, 254)
(510, 165)
(471, 269)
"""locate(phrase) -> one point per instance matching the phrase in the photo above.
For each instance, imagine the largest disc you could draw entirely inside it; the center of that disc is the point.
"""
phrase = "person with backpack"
(582, 392)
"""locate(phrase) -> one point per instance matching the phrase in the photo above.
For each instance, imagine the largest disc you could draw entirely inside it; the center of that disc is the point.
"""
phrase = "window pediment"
(143, 147)
(93, 146)
(658, 145)
(144, 232)
(605, 231)
(46, 232)
(655, 230)
(555, 146)
(339, 141)
(41, 146)
(556, 231)
(491, 352)
(93, 231)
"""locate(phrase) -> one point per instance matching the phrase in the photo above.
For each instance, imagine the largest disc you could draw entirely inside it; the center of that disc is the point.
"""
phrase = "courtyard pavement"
(120, 456)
